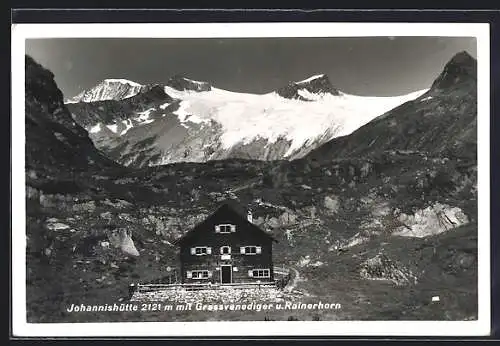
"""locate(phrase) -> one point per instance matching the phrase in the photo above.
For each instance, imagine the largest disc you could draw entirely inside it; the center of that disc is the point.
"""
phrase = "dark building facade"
(226, 248)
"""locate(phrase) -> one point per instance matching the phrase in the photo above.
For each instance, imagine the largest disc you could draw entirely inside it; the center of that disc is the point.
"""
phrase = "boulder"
(331, 203)
(122, 239)
(432, 220)
(381, 267)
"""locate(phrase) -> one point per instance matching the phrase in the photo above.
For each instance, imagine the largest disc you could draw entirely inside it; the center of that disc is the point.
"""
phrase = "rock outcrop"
(381, 267)
(122, 239)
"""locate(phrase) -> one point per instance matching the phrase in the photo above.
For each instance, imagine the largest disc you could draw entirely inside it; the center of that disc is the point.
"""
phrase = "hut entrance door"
(226, 274)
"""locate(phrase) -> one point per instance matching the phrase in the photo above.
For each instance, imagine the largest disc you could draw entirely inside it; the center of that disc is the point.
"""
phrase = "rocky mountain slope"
(119, 89)
(380, 230)
(108, 89)
(193, 121)
(54, 138)
(442, 121)
(319, 84)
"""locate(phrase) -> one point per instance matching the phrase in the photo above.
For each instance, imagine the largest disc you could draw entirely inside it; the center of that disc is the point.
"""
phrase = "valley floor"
(338, 282)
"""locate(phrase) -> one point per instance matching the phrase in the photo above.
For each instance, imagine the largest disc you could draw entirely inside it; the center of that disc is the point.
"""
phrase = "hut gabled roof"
(227, 207)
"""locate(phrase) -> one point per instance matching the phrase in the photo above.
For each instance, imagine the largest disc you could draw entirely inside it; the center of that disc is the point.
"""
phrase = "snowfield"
(96, 128)
(242, 118)
(246, 117)
(310, 79)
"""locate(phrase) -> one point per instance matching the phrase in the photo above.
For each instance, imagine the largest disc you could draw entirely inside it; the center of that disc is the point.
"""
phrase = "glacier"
(239, 119)
(245, 117)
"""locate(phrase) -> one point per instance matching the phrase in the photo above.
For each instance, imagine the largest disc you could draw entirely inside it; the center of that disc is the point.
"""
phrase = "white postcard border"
(20, 32)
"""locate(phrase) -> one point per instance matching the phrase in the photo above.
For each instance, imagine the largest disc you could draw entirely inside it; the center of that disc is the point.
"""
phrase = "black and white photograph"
(246, 176)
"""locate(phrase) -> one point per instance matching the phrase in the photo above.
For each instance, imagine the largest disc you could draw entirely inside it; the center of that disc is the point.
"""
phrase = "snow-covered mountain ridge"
(245, 117)
(109, 89)
(204, 122)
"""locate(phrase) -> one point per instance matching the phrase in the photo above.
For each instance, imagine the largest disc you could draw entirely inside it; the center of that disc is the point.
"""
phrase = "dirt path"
(296, 278)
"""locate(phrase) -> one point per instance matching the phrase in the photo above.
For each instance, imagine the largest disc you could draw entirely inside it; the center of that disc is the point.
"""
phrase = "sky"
(369, 66)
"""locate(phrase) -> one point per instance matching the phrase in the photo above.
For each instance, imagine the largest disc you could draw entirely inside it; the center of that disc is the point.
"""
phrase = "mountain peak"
(181, 83)
(463, 57)
(462, 67)
(56, 140)
(308, 89)
(120, 81)
(312, 78)
(109, 89)
(151, 93)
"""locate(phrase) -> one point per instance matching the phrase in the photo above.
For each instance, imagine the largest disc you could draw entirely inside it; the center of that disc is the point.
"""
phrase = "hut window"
(225, 250)
(259, 273)
(225, 228)
(250, 250)
(201, 250)
(200, 274)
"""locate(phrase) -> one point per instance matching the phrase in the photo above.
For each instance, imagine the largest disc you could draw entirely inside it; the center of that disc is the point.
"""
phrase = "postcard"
(258, 179)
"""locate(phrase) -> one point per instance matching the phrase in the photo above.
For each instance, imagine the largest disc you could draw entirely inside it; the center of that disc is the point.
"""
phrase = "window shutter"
(189, 275)
(242, 250)
(193, 251)
(233, 228)
(250, 273)
(258, 249)
(229, 248)
(217, 229)
(209, 250)
(220, 250)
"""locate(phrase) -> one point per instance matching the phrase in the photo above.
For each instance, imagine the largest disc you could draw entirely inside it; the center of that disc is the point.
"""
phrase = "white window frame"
(200, 274)
(228, 228)
(223, 247)
(244, 250)
(194, 250)
(266, 273)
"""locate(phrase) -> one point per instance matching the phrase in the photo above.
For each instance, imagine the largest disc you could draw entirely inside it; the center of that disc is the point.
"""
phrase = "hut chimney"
(250, 216)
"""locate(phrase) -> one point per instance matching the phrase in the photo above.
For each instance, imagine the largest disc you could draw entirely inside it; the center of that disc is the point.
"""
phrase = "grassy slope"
(179, 191)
